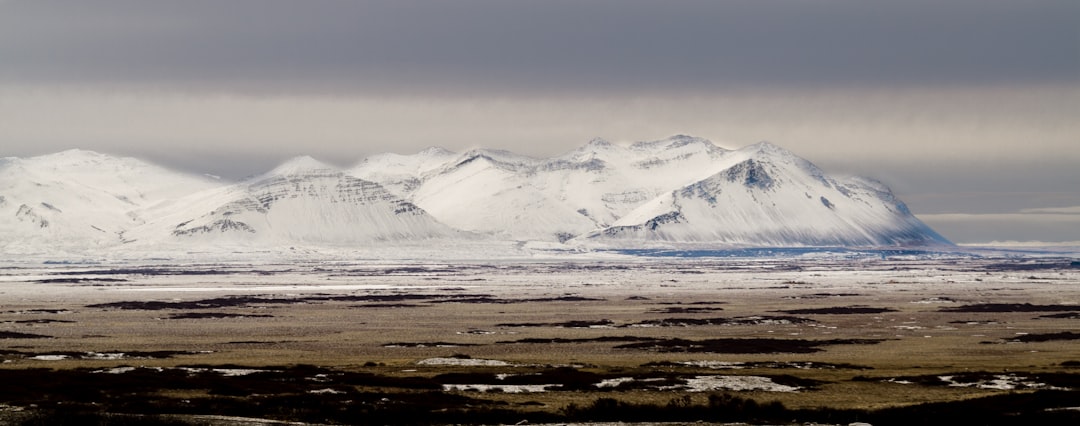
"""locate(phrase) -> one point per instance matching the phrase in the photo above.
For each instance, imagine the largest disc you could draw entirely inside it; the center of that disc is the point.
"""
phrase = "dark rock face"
(223, 225)
(27, 213)
(751, 173)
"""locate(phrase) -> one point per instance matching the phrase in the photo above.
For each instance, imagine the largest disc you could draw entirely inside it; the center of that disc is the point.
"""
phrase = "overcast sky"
(969, 109)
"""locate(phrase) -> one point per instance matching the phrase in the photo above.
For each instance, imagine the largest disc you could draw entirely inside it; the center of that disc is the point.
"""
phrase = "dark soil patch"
(1064, 315)
(975, 322)
(18, 335)
(798, 365)
(568, 378)
(685, 310)
(1010, 307)
(495, 300)
(151, 271)
(698, 303)
(79, 280)
(248, 301)
(1046, 337)
(393, 297)
(40, 311)
(219, 302)
(567, 324)
(412, 270)
(215, 315)
(42, 321)
(426, 345)
(103, 355)
(821, 295)
(616, 339)
(744, 346)
(752, 320)
(839, 310)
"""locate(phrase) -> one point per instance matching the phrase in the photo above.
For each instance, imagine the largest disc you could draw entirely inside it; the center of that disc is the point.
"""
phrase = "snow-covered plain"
(500, 319)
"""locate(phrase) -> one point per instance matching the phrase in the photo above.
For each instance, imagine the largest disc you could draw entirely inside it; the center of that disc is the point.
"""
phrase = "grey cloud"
(406, 46)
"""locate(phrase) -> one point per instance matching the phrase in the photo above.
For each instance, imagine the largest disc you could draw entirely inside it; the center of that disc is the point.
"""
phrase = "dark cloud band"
(506, 47)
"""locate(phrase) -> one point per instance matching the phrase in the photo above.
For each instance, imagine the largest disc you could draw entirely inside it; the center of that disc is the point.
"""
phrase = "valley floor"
(889, 340)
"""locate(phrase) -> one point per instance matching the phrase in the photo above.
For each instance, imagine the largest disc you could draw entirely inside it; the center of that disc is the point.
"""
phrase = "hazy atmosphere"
(968, 109)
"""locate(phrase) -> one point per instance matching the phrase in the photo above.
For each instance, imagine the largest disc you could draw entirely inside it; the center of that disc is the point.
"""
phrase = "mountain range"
(679, 191)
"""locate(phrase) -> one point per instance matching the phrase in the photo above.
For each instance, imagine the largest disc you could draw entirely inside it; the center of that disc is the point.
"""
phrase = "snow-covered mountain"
(515, 197)
(767, 196)
(676, 191)
(300, 201)
(604, 181)
(81, 198)
(401, 174)
(493, 192)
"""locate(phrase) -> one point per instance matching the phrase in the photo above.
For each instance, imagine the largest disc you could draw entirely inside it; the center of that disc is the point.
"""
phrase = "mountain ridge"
(678, 190)
(771, 197)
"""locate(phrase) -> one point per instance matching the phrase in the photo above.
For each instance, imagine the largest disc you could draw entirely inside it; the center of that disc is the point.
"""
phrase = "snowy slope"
(606, 181)
(509, 196)
(81, 198)
(300, 201)
(401, 174)
(491, 192)
(767, 196)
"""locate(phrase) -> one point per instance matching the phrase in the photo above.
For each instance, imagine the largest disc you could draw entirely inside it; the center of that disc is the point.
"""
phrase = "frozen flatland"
(548, 340)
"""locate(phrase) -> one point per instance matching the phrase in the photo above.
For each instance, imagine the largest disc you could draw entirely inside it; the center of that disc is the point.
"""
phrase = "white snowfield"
(680, 191)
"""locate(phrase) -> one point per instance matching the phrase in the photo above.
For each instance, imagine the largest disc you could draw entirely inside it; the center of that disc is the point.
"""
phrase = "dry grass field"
(827, 340)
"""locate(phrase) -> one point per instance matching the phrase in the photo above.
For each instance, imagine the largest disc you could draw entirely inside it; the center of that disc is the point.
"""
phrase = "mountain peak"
(768, 150)
(81, 160)
(75, 153)
(73, 156)
(498, 156)
(436, 151)
(300, 164)
(681, 140)
(765, 151)
(765, 146)
(674, 142)
(598, 143)
(594, 148)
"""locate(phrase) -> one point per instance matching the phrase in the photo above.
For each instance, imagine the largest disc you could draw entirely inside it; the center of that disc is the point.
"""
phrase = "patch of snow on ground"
(49, 357)
(503, 388)
(117, 370)
(1000, 382)
(899, 381)
(736, 383)
(105, 355)
(325, 391)
(611, 383)
(716, 365)
(227, 372)
(464, 362)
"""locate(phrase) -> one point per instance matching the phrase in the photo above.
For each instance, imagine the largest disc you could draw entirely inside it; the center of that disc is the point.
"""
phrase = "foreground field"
(831, 340)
